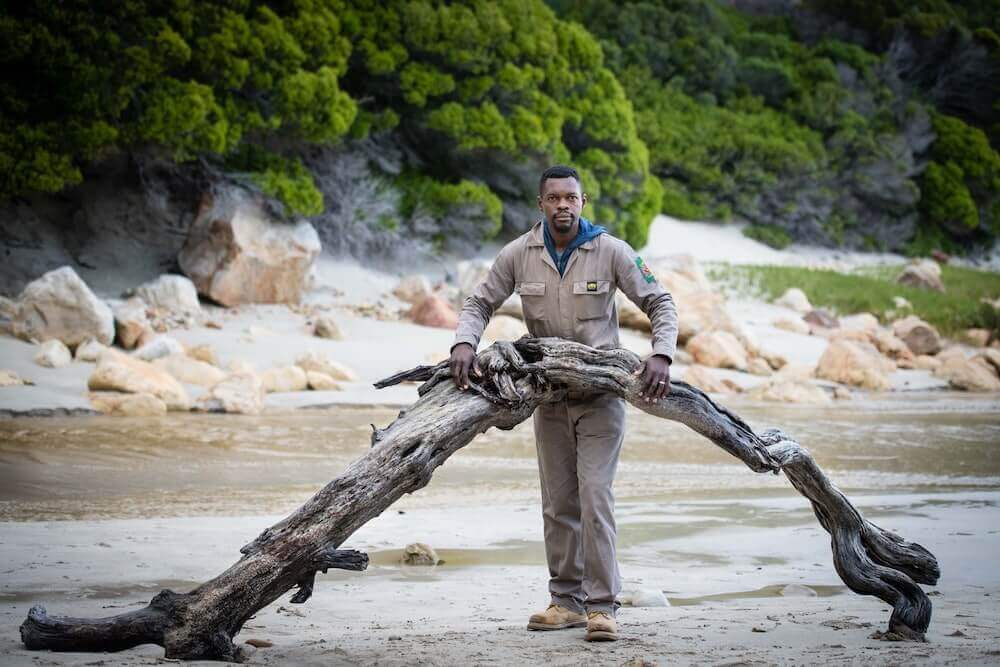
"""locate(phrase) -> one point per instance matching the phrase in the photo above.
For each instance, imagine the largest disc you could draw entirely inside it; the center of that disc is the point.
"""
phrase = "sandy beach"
(99, 513)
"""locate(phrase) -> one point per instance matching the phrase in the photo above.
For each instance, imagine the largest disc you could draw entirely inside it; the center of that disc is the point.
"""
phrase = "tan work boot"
(556, 617)
(601, 627)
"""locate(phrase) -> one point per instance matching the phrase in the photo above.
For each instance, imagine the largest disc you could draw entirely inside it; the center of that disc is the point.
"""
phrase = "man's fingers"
(465, 375)
(456, 374)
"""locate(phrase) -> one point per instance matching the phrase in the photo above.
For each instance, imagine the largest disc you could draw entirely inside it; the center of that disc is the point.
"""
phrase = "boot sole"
(561, 626)
(601, 637)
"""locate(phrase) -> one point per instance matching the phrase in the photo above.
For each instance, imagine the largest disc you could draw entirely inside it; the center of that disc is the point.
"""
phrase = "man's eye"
(571, 197)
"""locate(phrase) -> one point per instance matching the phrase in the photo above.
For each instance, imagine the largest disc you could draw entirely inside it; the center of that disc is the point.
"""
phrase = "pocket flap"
(531, 289)
(591, 287)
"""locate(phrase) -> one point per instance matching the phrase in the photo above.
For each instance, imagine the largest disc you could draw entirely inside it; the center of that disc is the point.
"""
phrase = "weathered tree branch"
(515, 379)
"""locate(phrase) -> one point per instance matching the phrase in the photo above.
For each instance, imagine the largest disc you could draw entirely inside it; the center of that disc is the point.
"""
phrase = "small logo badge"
(646, 273)
(592, 286)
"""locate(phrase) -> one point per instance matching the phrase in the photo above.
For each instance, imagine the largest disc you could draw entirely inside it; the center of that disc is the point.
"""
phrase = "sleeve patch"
(646, 273)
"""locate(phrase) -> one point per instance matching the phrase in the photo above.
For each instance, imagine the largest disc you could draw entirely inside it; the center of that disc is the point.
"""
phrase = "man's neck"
(561, 241)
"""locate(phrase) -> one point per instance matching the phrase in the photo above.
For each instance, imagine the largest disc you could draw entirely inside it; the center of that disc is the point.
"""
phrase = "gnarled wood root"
(516, 378)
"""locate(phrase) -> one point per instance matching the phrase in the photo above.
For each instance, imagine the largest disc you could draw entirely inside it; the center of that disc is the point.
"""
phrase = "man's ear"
(539, 199)
(583, 200)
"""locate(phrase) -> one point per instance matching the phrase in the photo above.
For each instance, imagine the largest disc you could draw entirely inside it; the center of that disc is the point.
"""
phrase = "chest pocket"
(532, 300)
(591, 299)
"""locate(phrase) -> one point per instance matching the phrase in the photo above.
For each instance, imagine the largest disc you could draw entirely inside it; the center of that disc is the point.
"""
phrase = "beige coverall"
(578, 439)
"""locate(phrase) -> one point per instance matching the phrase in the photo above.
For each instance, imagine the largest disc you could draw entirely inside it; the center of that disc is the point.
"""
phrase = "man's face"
(561, 201)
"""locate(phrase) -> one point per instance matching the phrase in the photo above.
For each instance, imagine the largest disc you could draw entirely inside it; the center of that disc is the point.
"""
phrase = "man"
(566, 271)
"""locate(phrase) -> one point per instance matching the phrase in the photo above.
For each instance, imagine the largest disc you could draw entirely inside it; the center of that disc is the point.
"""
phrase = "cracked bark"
(516, 378)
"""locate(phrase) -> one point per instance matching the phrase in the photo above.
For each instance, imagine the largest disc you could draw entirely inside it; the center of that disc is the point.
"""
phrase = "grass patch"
(872, 289)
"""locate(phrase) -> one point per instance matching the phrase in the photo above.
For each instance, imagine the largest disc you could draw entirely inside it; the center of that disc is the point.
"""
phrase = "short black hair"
(558, 171)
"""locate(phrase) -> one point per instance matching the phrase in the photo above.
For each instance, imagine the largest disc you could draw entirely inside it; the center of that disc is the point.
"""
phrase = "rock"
(172, 293)
(718, 349)
(969, 375)
(419, 553)
(259, 643)
(798, 591)
(511, 307)
(413, 289)
(926, 362)
(117, 371)
(796, 372)
(9, 378)
(893, 347)
(321, 381)
(127, 405)
(820, 317)
(842, 394)
(682, 356)
(203, 353)
(284, 379)
(326, 327)
(901, 303)
(795, 326)
(702, 378)
(650, 597)
(239, 393)
(254, 331)
(846, 334)
(683, 265)
(235, 253)
(504, 327)
(89, 351)
(131, 322)
(434, 311)
(59, 305)
(795, 299)
(865, 322)
(990, 356)
(190, 371)
(773, 359)
(470, 274)
(855, 363)
(758, 366)
(918, 335)
(784, 390)
(52, 354)
(630, 316)
(925, 274)
(314, 361)
(158, 347)
(975, 337)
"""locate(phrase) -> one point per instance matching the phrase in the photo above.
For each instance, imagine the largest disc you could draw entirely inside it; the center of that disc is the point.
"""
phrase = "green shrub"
(771, 235)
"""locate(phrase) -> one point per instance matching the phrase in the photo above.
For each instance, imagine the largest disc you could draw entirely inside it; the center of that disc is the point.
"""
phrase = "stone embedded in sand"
(925, 274)
(784, 390)
(203, 352)
(326, 327)
(52, 354)
(172, 293)
(865, 322)
(131, 322)
(718, 349)
(925, 362)
(235, 253)
(10, 378)
(157, 348)
(798, 590)
(976, 337)
(512, 307)
(321, 381)
(842, 394)
(795, 299)
(127, 405)
(434, 311)
(798, 326)
(419, 553)
(190, 371)
(968, 374)
(919, 336)
(117, 371)
(893, 347)
(855, 363)
(990, 356)
(241, 366)
(59, 305)
(284, 379)
(647, 597)
(821, 318)
(504, 327)
(89, 351)
(315, 361)
(413, 289)
(239, 393)
(773, 359)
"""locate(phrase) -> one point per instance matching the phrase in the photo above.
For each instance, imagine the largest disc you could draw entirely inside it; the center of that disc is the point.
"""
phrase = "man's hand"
(655, 377)
(462, 358)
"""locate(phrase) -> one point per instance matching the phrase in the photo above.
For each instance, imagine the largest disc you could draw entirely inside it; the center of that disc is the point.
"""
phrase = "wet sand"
(98, 514)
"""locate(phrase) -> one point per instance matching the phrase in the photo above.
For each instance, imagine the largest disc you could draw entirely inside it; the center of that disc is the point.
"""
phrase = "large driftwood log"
(515, 378)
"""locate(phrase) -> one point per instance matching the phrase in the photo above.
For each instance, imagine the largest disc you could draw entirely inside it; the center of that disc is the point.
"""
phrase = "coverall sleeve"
(479, 306)
(641, 287)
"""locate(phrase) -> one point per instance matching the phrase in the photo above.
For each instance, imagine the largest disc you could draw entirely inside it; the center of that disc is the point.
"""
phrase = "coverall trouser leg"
(579, 442)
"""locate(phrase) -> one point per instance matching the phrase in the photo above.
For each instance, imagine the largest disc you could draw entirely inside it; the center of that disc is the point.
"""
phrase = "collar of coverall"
(538, 235)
